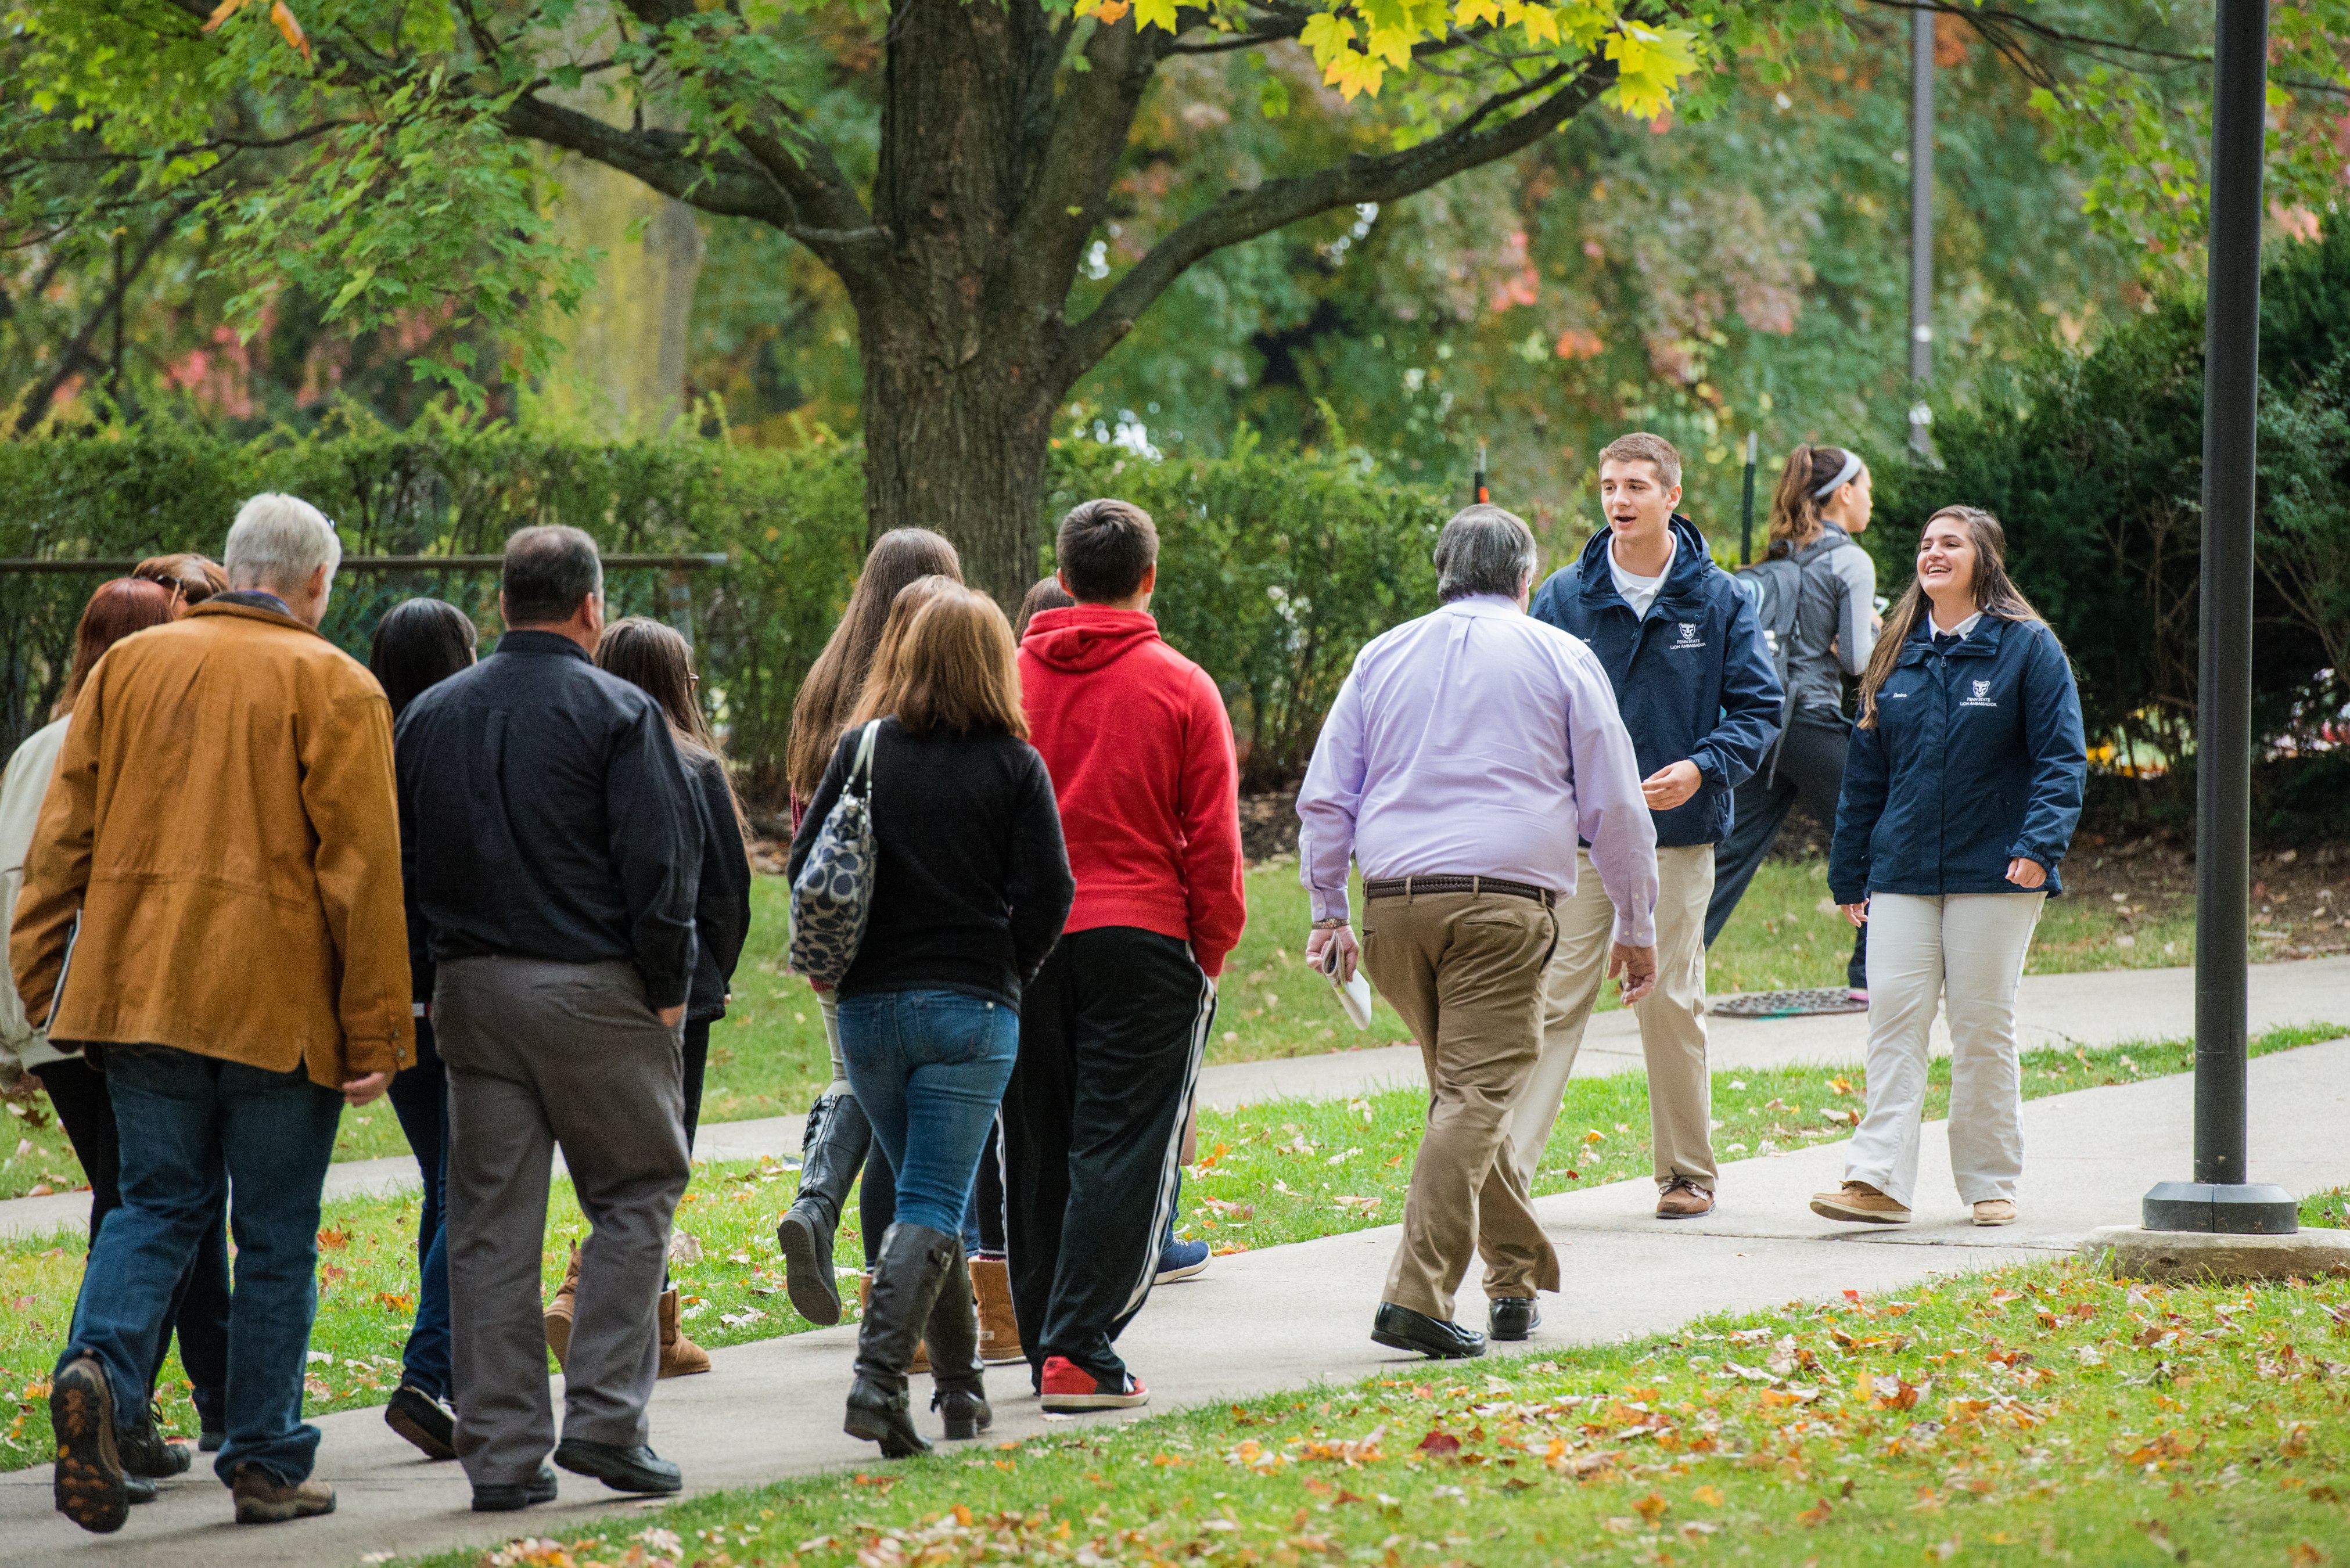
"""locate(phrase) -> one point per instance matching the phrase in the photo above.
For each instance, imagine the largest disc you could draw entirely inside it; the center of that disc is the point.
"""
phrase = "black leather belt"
(1404, 887)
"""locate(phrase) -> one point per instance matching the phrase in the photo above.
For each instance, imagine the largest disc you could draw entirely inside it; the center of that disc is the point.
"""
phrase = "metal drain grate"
(1787, 1003)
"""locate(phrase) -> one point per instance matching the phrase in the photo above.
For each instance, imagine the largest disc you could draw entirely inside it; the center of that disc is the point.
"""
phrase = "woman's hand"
(1857, 913)
(2026, 872)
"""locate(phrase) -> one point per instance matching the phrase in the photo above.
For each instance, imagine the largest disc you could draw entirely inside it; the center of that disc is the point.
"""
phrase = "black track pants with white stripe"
(1111, 1032)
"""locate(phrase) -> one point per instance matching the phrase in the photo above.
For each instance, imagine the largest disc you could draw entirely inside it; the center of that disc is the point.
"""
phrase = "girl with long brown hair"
(1961, 796)
(658, 661)
(1828, 630)
(971, 887)
(837, 1142)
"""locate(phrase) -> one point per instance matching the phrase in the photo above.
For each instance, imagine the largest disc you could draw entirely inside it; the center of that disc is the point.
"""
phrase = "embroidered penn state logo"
(1688, 636)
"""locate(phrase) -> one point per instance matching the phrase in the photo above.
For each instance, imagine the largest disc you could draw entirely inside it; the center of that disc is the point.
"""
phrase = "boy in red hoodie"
(1112, 1031)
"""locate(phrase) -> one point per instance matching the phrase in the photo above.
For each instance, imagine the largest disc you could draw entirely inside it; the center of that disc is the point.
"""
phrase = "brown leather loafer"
(1858, 1201)
(1683, 1200)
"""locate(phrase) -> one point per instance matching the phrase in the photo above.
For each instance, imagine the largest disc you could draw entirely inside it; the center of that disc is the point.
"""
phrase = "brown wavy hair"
(1795, 506)
(1994, 594)
(951, 666)
(835, 681)
(656, 659)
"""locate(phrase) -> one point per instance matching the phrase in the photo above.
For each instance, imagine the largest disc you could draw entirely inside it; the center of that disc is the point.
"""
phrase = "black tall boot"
(959, 1389)
(830, 1156)
(905, 1279)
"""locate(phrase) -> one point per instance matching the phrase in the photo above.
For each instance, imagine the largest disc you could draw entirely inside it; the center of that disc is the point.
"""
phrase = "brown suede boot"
(865, 1299)
(558, 1310)
(999, 1327)
(680, 1356)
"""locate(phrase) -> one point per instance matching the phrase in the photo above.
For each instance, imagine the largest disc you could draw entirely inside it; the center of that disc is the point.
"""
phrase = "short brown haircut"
(1104, 547)
(953, 667)
(1642, 447)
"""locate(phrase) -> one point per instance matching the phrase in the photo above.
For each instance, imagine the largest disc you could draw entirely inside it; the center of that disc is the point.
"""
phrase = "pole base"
(2231, 1209)
(2179, 1257)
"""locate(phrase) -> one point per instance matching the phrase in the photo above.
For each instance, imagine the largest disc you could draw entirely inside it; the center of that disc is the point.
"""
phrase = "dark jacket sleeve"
(1752, 698)
(1042, 888)
(2060, 762)
(1546, 602)
(819, 805)
(419, 934)
(722, 904)
(656, 846)
(1859, 807)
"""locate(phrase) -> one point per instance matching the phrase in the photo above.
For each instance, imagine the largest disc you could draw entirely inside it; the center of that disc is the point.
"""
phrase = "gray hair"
(278, 541)
(549, 569)
(1483, 550)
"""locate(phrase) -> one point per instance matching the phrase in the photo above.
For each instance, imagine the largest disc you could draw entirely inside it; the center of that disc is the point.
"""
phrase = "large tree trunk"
(957, 326)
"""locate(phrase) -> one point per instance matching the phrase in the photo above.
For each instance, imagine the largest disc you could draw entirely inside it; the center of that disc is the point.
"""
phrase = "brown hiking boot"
(999, 1327)
(90, 1488)
(1859, 1200)
(680, 1356)
(1683, 1200)
(559, 1310)
(865, 1299)
(262, 1498)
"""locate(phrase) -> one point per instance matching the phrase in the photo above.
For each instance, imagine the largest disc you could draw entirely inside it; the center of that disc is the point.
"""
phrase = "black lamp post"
(1921, 224)
(2219, 1199)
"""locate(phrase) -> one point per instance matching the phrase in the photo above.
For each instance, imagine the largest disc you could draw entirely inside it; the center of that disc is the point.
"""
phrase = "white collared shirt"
(1637, 591)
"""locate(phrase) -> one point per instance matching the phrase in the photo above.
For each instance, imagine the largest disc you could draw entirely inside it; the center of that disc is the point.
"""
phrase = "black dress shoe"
(506, 1497)
(1401, 1328)
(138, 1489)
(1513, 1317)
(423, 1421)
(637, 1469)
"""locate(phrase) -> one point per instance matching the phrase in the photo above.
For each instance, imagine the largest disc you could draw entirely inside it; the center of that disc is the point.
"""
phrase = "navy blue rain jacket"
(1692, 679)
(1976, 757)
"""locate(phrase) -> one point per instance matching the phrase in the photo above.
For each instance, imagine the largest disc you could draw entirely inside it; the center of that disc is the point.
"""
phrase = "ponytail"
(1795, 508)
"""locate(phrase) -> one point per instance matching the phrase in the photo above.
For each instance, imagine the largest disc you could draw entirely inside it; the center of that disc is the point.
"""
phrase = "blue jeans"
(420, 1099)
(929, 1068)
(193, 1129)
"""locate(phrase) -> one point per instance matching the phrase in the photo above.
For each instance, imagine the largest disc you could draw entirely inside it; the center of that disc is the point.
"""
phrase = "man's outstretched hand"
(1634, 969)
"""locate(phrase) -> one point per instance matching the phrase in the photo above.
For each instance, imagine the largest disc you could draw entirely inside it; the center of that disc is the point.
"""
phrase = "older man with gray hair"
(1467, 752)
(211, 906)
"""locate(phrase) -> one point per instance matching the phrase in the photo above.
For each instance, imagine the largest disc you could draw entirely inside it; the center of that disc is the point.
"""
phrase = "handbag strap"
(860, 772)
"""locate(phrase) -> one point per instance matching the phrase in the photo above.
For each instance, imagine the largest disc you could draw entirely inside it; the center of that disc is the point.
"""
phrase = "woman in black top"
(657, 660)
(971, 887)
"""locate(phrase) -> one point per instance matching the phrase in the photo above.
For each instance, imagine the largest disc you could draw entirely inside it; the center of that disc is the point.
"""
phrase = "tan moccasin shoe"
(1995, 1211)
(1683, 1200)
(262, 1498)
(1858, 1201)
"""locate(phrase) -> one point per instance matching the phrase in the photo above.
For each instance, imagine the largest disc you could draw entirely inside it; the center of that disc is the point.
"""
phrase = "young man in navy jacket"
(1684, 653)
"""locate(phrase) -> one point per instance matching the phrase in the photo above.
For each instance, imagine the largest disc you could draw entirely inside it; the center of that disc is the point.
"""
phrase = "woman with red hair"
(30, 1062)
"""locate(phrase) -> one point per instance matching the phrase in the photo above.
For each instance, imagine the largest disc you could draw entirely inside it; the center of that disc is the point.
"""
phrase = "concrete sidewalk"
(772, 1409)
(2106, 1008)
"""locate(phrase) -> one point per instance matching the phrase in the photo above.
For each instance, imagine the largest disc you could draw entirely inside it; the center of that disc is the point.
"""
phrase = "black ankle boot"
(907, 1273)
(831, 1156)
(959, 1390)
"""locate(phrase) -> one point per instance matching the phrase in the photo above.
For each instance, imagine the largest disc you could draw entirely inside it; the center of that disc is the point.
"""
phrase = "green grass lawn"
(2029, 1414)
(1268, 1174)
(767, 1056)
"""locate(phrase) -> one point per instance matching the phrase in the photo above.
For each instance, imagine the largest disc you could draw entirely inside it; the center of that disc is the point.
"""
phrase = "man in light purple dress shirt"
(1466, 755)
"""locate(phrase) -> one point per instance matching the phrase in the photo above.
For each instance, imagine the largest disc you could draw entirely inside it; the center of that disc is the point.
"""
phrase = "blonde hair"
(1994, 594)
(951, 666)
(1642, 447)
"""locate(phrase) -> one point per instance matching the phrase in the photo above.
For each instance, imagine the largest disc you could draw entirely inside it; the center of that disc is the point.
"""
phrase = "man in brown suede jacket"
(211, 907)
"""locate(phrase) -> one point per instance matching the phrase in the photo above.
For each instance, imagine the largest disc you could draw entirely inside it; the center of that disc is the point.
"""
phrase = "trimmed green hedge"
(1275, 570)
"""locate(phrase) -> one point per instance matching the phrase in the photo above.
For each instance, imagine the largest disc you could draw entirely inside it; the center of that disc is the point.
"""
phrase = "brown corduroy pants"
(1465, 970)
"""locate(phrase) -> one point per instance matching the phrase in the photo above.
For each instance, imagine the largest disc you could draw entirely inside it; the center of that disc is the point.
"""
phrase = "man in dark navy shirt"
(552, 844)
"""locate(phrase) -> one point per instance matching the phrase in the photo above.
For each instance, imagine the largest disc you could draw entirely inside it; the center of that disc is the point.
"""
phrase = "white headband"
(1844, 477)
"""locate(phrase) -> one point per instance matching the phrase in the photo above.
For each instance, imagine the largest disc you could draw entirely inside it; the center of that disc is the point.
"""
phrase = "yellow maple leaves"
(1357, 42)
(289, 28)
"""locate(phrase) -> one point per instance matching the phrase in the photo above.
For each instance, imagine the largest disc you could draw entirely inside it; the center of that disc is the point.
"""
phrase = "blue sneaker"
(1181, 1260)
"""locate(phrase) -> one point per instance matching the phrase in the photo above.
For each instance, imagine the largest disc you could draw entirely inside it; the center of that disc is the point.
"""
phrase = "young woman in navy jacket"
(1961, 792)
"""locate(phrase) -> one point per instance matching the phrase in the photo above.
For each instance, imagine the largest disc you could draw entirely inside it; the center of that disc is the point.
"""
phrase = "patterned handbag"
(832, 897)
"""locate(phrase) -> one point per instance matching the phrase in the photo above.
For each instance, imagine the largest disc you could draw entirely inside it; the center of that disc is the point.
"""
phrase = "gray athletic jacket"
(1838, 606)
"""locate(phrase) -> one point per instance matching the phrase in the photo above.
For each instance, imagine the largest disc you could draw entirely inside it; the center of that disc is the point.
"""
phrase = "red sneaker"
(1070, 1387)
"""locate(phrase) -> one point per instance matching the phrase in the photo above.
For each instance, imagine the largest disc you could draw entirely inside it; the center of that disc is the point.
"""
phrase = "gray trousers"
(540, 1053)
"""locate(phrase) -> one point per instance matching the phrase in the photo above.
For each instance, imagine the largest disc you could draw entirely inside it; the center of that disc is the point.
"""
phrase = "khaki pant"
(1465, 970)
(1671, 1017)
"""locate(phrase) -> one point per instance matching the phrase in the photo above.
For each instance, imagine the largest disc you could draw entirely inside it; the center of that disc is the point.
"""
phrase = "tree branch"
(76, 352)
(1243, 215)
(1082, 154)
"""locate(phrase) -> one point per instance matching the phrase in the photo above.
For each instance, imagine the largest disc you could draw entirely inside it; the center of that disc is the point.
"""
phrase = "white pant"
(1972, 944)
